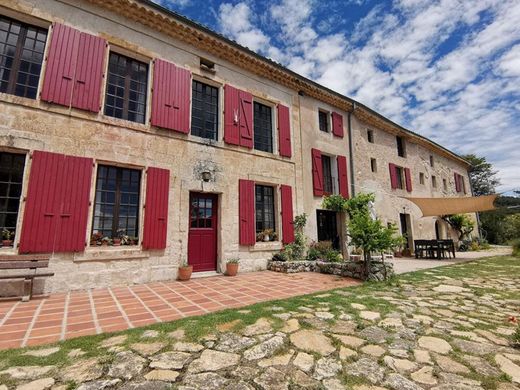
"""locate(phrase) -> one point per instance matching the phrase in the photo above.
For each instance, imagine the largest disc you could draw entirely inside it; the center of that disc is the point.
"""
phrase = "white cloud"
(509, 64)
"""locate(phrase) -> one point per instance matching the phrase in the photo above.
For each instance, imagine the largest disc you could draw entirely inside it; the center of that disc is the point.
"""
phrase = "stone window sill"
(111, 253)
(270, 246)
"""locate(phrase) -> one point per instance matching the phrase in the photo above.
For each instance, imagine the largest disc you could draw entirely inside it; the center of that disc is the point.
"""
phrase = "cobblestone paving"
(442, 329)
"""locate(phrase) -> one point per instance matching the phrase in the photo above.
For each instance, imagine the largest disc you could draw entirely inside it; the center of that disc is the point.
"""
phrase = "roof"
(264, 65)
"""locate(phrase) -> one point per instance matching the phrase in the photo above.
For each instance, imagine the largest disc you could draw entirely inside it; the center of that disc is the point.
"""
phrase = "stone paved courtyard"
(444, 328)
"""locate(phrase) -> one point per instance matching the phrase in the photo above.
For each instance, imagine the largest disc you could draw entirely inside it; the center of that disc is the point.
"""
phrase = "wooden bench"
(24, 262)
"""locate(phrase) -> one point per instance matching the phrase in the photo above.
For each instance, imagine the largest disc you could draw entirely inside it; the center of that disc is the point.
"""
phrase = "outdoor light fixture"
(206, 176)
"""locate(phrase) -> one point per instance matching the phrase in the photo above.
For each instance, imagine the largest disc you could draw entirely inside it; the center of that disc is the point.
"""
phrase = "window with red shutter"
(238, 117)
(156, 210)
(393, 176)
(246, 223)
(317, 172)
(408, 178)
(342, 176)
(337, 124)
(287, 214)
(284, 131)
(246, 119)
(171, 97)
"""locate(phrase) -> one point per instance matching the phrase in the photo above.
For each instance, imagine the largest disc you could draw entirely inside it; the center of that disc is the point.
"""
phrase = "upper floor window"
(11, 177)
(323, 120)
(421, 178)
(127, 84)
(21, 57)
(326, 164)
(432, 163)
(204, 110)
(434, 182)
(445, 184)
(401, 148)
(263, 124)
(399, 172)
(370, 136)
(264, 206)
(373, 165)
(116, 208)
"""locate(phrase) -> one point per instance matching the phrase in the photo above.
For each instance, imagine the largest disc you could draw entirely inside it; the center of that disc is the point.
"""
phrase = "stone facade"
(27, 125)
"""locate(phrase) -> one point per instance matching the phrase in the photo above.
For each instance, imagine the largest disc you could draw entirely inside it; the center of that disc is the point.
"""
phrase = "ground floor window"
(116, 209)
(11, 177)
(327, 227)
(264, 206)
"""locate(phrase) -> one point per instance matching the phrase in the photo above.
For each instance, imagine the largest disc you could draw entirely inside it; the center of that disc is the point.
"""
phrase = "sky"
(447, 69)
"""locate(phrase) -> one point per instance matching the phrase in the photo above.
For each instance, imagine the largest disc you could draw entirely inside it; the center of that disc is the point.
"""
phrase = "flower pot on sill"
(231, 269)
(266, 238)
(7, 242)
(185, 272)
(117, 242)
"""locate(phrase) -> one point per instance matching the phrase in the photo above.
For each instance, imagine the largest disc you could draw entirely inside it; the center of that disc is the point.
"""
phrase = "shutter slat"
(156, 211)
(231, 115)
(284, 131)
(246, 223)
(287, 214)
(393, 176)
(408, 177)
(337, 124)
(342, 176)
(317, 173)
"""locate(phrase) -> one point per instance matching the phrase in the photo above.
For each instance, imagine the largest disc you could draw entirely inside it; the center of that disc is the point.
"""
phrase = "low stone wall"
(352, 269)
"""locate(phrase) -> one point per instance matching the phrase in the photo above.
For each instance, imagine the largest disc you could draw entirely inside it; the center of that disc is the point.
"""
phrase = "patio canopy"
(431, 207)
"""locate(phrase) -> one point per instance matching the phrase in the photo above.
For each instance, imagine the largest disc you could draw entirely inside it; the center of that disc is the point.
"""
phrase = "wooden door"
(202, 237)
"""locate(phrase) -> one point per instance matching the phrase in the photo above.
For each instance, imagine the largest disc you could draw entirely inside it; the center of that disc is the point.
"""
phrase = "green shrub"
(516, 336)
(516, 247)
(323, 250)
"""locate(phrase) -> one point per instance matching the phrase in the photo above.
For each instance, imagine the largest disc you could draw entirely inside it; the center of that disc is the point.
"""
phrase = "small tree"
(461, 223)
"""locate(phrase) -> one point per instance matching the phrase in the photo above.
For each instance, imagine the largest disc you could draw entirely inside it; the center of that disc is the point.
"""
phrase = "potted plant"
(400, 242)
(232, 266)
(185, 271)
(96, 239)
(7, 237)
(267, 234)
(106, 241)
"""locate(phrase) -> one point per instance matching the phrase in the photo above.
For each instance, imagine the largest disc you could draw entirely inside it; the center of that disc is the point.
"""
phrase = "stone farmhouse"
(124, 123)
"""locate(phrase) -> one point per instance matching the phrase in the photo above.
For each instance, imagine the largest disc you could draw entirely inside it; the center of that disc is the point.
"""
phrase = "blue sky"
(448, 69)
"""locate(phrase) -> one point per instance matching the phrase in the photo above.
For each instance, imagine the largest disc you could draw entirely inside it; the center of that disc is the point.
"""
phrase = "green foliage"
(481, 175)
(461, 223)
(502, 225)
(233, 260)
(335, 203)
(295, 250)
(323, 250)
(516, 247)
(516, 336)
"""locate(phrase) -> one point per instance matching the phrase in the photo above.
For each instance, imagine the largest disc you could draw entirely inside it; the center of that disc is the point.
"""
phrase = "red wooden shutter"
(457, 182)
(284, 131)
(171, 97)
(246, 119)
(287, 214)
(246, 223)
(337, 124)
(342, 176)
(393, 175)
(317, 173)
(156, 210)
(231, 115)
(89, 73)
(74, 181)
(61, 65)
(408, 177)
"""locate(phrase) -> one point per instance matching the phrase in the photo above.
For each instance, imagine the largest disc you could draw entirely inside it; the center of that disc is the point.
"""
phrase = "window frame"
(133, 59)
(421, 178)
(327, 120)
(15, 70)
(23, 156)
(401, 146)
(370, 136)
(117, 201)
(373, 165)
(217, 113)
(400, 175)
(434, 181)
(272, 127)
(274, 207)
(330, 177)
(445, 185)
(432, 162)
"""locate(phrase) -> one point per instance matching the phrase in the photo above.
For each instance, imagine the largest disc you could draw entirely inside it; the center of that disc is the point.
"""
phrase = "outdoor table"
(434, 249)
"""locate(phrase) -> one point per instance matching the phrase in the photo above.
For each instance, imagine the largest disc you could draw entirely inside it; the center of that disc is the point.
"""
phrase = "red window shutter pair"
(393, 176)
(246, 199)
(238, 117)
(74, 69)
(156, 209)
(342, 176)
(284, 131)
(317, 172)
(56, 209)
(337, 124)
(171, 97)
(459, 182)
(408, 178)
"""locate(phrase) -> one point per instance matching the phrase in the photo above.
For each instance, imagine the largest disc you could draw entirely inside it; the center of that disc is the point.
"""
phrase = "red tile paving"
(64, 316)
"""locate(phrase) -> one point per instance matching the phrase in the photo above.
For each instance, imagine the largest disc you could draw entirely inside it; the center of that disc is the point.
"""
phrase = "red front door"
(202, 238)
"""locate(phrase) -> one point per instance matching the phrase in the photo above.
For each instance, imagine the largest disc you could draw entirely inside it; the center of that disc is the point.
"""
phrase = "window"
(327, 227)
(326, 164)
(432, 163)
(264, 205)
(323, 119)
(434, 182)
(201, 211)
(116, 208)
(399, 172)
(444, 184)
(373, 165)
(401, 152)
(21, 56)
(370, 136)
(263, 127)
(126, 88)
(207, 65)
(11, 177)
(463, 182)
(421, 178)
(204, 110)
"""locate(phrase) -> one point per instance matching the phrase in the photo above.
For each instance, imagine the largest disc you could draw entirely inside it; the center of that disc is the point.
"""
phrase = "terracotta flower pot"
(7, 242)
(231, 269)
(185, 272)
(117, 241)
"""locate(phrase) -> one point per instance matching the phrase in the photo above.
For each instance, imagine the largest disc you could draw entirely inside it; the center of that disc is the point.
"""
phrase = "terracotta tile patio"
(64, 316)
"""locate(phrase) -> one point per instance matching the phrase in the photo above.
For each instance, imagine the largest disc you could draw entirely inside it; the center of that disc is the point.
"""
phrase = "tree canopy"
(482, 175)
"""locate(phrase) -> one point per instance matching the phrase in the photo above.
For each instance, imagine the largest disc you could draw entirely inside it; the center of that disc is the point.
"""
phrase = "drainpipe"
(351, 154)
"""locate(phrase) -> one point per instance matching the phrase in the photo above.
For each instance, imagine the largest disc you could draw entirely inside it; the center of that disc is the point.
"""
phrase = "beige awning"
(431, 207)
